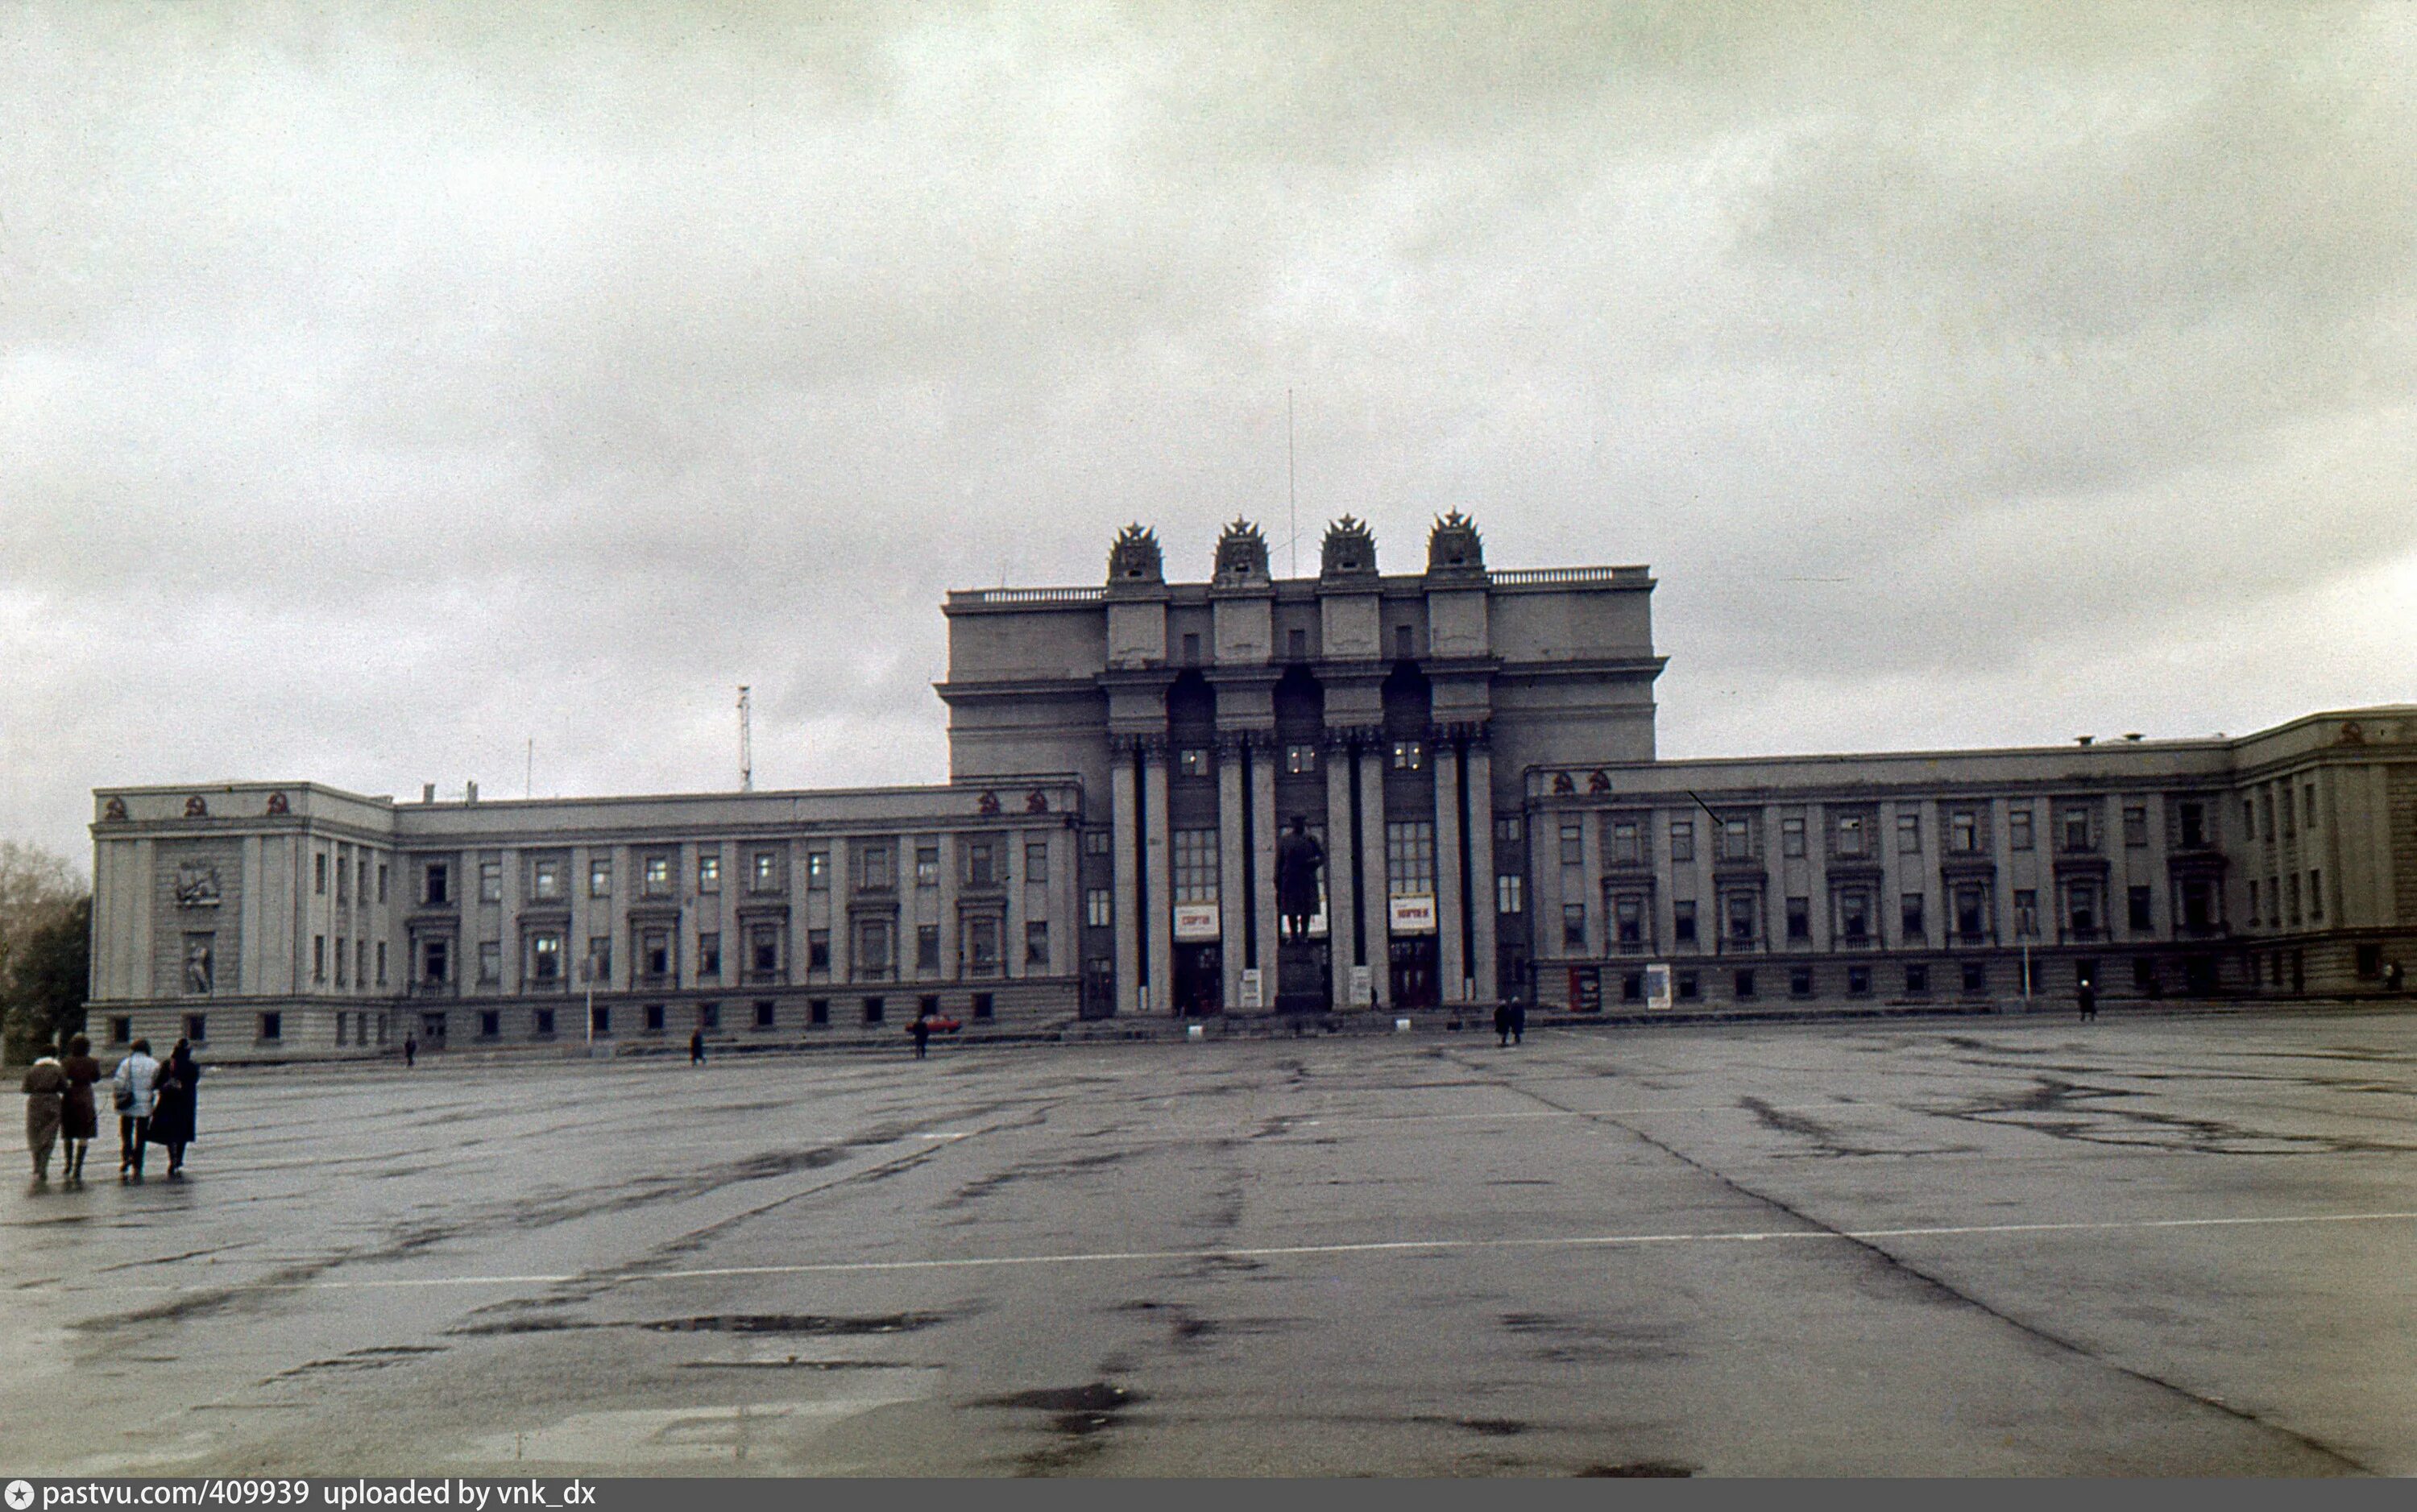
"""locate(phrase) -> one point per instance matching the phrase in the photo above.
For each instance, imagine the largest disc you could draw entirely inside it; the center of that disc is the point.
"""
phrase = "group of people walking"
(156, 1102)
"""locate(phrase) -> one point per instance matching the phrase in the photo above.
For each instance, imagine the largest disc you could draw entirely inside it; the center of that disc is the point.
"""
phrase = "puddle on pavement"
(722, 1322)
(649, 1438)
(1633, 1468)
(1079, 1415)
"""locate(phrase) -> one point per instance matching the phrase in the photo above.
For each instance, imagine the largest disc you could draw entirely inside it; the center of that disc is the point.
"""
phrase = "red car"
(935, 1023)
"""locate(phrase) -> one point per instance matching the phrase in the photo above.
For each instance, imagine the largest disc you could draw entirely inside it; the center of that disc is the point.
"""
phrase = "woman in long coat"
(45, 1085)
(172, 1105)
(80, 1117)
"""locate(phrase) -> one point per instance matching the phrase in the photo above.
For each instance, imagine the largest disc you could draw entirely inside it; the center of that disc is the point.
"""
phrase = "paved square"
(2144, 1246)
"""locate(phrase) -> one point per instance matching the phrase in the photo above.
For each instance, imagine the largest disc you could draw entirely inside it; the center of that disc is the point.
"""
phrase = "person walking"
(1518, 1024)
(696, 1047)
(80, 1117)
(172, 1109)
(921, 1030)
(410, 1049)
(46, 1086)
(1502, 1024)
(132, 1084)
(2088, 997)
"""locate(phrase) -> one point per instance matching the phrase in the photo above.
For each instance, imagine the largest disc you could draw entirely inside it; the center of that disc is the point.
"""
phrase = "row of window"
(1299, 760)
(2259, 810)
(2281, 899)
(346, 868)
(1855, 914)
(1627, 837)
(658, 961)
(983, 865)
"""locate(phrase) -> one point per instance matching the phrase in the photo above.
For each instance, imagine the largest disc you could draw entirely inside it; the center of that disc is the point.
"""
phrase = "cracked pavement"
(2175, 1245)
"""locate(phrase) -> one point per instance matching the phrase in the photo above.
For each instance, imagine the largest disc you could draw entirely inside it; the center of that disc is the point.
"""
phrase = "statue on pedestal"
(1299, 856)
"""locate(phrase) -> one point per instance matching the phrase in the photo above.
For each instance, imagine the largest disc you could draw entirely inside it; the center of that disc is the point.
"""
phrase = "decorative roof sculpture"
(1134, 557)
(1350, 551)
(1242, 556)
(1454, 546)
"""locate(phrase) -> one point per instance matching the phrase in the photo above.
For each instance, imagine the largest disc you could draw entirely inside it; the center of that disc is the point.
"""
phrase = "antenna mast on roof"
(746, 743)
(1292, 500)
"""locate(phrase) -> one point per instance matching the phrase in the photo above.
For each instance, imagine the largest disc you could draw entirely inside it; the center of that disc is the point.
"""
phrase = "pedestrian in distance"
(410, 1049)
(80, 1116)
(696, 1047)
(2088, 997)
(46, 1085)
(174, 1107)
(1502, 1024)
(2391, 976)
(1518, 1024)
(132, 1085)
(921, 1030)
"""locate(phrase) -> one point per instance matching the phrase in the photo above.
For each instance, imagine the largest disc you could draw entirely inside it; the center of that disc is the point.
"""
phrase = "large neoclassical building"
(1352, 793)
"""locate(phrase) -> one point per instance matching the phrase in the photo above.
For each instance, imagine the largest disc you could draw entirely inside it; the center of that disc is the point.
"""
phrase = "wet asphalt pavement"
(2172, 1246)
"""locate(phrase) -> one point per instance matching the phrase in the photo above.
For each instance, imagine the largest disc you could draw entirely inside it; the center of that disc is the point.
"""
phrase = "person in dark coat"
(80, 1116)
(1502, 1022)
(410, 1049)
(696, 1047)
(921, 1030)
(174, 1107)
(2088, 997)
(46, 1085)
(1518, 1024)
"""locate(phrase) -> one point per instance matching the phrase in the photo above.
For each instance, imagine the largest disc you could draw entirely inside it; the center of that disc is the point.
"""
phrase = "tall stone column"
(1263, 868)
(1481, 957)
(1159, 873)
(1451, 960)
(1125, 841)
(1340, 891)
(1376, 897)
(1232, 923)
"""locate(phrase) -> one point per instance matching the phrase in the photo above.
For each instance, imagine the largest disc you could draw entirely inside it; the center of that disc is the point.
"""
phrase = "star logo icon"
(21, 1495)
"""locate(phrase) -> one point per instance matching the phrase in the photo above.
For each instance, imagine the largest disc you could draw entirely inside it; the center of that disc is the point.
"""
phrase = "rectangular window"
(2074, 830)
(1855, 914)
(2081, 908)
(381, 890)
(1409, 755)
(491, 960)
(439, 881)
(1628, 920)
(2137, 903)
(1506, 829)
(981, 864)
(1800, 981)
(818, 950)
(2135, 824)
(2291, 896)
(1300, 760)
(873, 868)
(708, 872)
(870, 961)
(1296, 644)
(545, 881)
(345, 878)
(1850, 835)
(1192, 648)
(764, 871)
(1690, 988)
(1976, 976)
(764, 1018)
(708, 955)
(2249, 819)
(1509, 893)
(319, 874)
(985, 1008)
(2018, 829)
(2290, 812)
(1917, 981)
(1097, 911)
(1683, 921)
(2025, 912)
(1742, 984)
(1625, 851)
(599, 876)
(708, 1016)
(927, 948)
(318, 957)
(2144, 975)
(197, 1027)
(1972, 911)
(2252, 901)
(599, 958)
(1409, 858)
(1858, 981)
(543, 1028)
(272, 1026)
(654, 1018)
(2308, 808)
(656, 877)
(436, 962)
(1573, 846)
(1791, 836)
(1737, 838)
(491, 1023)
(927, 866)
(763, 951)
(981, 945)
(817, 1009)
(490, 881)
(1195, 866)
(339, 963)
(1682, 839)
(2316, 895)
(2194, 826)
(1036, 862)
(381, 963)
(818, 871)
(875, 1010)
(545, 958)
(1799, 918)
(1036, 942)
(1191, 761)
(600, 1021)
(1908, 834)
(1096, 842)
(655, 953)
(1574, 926)
(1964, 831)
(1909, 916)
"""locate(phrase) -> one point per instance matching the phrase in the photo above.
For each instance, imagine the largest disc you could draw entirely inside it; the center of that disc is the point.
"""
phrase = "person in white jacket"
(133, 1086)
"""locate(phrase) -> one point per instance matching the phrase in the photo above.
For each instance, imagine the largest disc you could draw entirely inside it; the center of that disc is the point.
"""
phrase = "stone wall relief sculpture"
(197, 885)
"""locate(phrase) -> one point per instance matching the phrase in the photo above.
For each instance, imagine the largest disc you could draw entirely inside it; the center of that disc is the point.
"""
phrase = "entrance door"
(1414, 972)
(1199, 981)
(431, 1030)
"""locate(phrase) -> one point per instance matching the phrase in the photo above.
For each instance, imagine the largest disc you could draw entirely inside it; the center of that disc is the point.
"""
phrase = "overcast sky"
(382, 389)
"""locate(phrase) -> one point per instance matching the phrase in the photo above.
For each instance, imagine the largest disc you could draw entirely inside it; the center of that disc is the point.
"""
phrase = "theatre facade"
(1352, 793)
